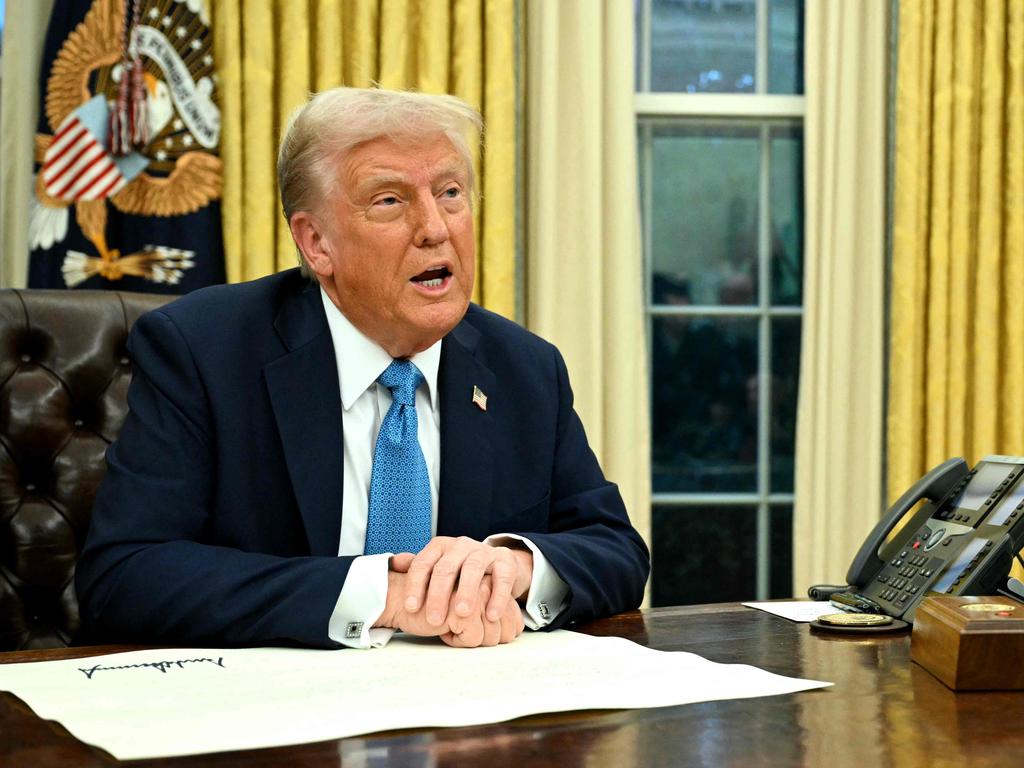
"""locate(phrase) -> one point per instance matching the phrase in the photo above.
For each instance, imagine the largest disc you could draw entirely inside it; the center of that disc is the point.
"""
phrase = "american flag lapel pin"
(479, 398)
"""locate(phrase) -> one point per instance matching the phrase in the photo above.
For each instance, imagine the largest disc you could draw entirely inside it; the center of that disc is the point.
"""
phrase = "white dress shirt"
(364, 404)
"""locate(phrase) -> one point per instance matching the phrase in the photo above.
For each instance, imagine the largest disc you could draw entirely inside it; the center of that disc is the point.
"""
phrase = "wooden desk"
(883, 711)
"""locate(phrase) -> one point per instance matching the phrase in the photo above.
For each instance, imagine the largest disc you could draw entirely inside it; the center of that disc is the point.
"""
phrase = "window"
(719, 111)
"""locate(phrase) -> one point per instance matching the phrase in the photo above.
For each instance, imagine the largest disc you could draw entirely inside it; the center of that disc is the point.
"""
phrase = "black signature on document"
(162, 666)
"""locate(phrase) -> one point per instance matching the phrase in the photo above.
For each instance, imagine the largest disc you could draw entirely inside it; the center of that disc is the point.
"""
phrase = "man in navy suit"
(238, 503)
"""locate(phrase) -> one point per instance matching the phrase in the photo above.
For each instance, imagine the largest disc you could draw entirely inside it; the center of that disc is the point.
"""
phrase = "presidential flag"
(128, 178)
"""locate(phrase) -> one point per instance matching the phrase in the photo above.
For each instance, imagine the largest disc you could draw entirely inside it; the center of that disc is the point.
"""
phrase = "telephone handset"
(932, 487)
(960, 542)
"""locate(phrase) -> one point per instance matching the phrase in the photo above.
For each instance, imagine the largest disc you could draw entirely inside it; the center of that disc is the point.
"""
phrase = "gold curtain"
(273, 53)
(957, 353)
(24, 33)
(957, 326)
(841, 419)
(584, 261)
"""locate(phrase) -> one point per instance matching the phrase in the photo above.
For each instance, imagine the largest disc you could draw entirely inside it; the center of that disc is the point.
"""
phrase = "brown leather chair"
(64, 376)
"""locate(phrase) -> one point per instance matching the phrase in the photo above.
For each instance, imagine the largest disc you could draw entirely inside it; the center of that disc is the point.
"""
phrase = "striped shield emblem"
(78, 165)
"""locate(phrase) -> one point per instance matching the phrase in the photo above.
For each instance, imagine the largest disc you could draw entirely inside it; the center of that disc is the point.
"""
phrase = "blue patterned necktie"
(399, 516)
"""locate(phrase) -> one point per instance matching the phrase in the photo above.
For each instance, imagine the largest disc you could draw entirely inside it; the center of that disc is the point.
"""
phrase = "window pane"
(785, 377)
(703, 47)
(787, 209)
(786, 46)
(704, 180)
(781, 543)
(705, 555)
(703, 403)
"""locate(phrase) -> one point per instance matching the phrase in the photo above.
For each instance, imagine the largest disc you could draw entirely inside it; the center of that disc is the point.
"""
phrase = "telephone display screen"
(1006, 506)
(958, 565)
(989, 475)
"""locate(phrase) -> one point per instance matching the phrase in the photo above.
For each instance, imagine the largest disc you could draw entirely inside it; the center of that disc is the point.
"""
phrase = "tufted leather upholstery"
(64, 376)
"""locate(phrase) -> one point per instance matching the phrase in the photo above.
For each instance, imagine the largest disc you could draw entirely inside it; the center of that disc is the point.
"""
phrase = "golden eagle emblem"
(175, 171)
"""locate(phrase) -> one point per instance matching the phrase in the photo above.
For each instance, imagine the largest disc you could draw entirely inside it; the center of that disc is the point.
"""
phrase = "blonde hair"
(335, 121)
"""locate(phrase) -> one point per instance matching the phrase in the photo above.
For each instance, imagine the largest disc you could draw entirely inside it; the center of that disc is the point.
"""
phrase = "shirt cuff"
(547, 596)
(361, 602)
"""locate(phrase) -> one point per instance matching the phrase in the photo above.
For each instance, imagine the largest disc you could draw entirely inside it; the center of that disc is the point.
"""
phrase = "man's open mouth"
(433, 277)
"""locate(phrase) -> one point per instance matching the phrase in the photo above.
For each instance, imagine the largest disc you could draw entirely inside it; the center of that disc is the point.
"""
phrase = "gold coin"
(988, 607)
(855, 619)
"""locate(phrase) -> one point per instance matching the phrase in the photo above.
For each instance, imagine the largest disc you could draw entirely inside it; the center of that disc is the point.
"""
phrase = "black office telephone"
(961, 541)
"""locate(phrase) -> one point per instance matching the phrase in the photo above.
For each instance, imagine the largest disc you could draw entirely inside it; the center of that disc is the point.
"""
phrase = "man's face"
(399, 242)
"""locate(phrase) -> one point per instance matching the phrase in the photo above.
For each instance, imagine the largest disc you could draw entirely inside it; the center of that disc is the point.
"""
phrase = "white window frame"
(757, 106)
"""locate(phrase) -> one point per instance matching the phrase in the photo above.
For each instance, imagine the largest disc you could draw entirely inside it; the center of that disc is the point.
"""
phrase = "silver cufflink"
(544, 612)
(353, 630)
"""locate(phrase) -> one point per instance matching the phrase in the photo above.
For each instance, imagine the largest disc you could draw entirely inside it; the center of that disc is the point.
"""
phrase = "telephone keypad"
(905, 580)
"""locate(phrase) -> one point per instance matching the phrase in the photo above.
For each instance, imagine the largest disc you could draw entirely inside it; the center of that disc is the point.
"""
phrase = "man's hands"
(460, 632)
(448, 565)
(460, 590)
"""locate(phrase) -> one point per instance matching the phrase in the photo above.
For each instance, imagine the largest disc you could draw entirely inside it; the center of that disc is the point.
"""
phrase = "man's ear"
(311, 238)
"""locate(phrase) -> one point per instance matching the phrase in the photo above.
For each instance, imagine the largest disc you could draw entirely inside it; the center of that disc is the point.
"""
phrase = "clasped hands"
(458, 589)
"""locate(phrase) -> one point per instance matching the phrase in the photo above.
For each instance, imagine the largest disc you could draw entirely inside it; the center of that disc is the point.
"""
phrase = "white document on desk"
(796, 610)
(161, 703)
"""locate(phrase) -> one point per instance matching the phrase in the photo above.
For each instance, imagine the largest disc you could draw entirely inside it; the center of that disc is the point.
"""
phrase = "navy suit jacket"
(219, 517)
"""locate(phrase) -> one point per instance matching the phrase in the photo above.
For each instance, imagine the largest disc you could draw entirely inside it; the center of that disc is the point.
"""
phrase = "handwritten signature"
(162, 666)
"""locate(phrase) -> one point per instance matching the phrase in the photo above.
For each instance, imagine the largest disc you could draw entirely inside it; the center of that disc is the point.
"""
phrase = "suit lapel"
(306, 399)
(467, 452)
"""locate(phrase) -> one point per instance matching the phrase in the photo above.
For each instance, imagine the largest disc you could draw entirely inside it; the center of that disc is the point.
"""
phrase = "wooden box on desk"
(971, 643)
